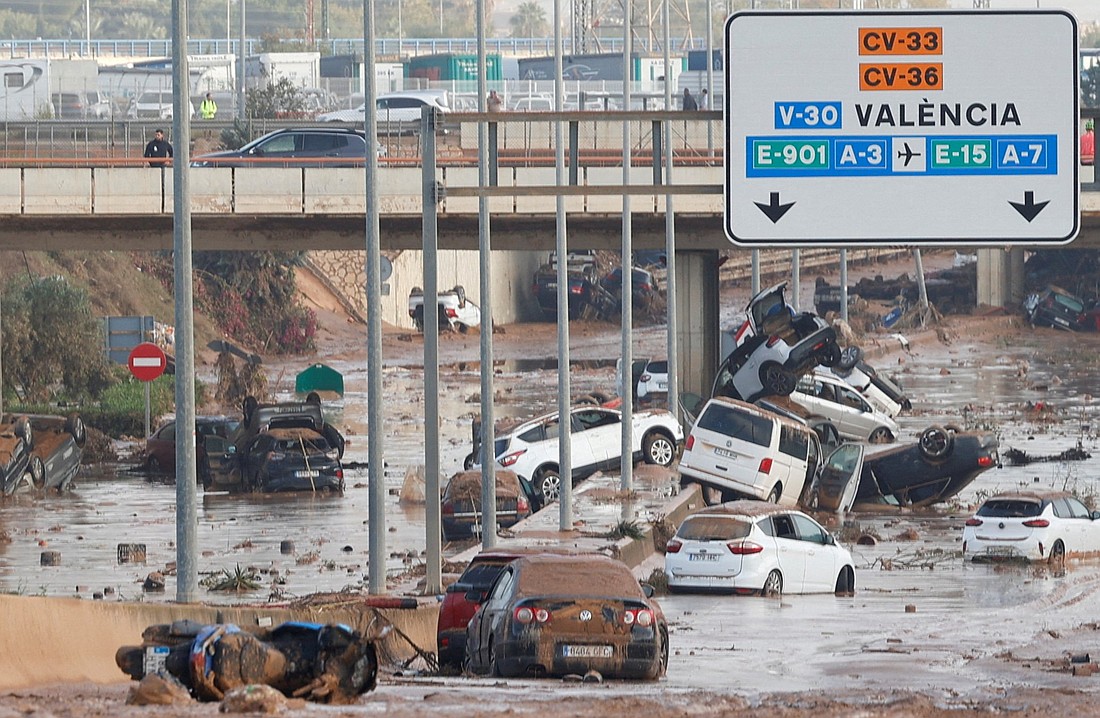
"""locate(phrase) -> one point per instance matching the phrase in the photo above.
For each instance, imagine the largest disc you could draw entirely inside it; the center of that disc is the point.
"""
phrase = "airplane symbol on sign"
(907, 154)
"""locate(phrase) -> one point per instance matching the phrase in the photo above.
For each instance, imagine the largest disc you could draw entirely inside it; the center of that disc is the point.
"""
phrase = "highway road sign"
(147, 361)
(918, 128)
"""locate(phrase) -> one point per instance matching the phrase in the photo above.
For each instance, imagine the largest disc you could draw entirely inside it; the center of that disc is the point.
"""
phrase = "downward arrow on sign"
(1029, 210)
(773, 209)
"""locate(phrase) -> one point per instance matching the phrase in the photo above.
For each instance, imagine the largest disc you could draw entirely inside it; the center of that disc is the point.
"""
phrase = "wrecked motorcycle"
(327, 663)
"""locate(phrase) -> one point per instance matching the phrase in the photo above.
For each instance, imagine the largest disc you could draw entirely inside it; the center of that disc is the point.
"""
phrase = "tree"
(529, 21)
(51, 342)
(276, 99)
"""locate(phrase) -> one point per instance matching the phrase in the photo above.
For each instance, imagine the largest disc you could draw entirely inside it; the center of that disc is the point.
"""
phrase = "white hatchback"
(1032, 525)
(756, 547)
(531, 449)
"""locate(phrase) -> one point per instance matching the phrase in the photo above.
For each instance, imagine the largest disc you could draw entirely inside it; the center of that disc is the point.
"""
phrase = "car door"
(316, 144)
(792, 553)
(856, 416)
(820, 562)
(1083, 527)
(486, 622)
(837, 480)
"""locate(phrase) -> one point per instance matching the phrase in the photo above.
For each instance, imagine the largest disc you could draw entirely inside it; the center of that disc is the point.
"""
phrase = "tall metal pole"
(796, 279)
(844, 284)
(565, 445)
(242, 93)
(488, 418)
(671, 343)
(376, 474)
(88, 28)
(432, 517)
(627, 460)
(186, 509)
(710, 72)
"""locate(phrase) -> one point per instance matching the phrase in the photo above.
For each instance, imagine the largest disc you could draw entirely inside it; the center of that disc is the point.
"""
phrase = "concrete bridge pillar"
(697, 319)
(993, 277)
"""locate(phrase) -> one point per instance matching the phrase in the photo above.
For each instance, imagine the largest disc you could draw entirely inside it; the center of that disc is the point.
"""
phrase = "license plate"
(307, 474)
(154, 659)
(662, 386)
(999, 551)
(587, 651)
(725, 452)
(702, 557)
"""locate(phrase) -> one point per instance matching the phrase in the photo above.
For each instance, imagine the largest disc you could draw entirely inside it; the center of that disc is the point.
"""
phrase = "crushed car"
(881, 390)
(462, 516)
(282, 447)
(1056, 308)
(457, 313)
(554, 615)
(775, 346)
(53, 447)
(854, 416)
(737, 450)
(326, 663)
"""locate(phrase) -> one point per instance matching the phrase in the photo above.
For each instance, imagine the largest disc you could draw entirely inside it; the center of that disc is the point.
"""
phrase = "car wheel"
(777, 380)
(830, 356)
(494, 669)
(662, 667)
(75, 426)
(24, 431)
(773, 585)
(935, 443)
(773, 497)
(586, 400)
(1057, 555)
(846, 582)
(153, 464)
(658, 449)
(549, 483)
(849, 357)
(601, 397)
(37, 471)
(881, 435)
(470, 461)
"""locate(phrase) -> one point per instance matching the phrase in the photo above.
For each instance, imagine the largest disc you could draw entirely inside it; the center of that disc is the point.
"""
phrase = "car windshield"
(1010, 508)
(736, 424)
(1069, 303)
(481, 575)
(713, 528)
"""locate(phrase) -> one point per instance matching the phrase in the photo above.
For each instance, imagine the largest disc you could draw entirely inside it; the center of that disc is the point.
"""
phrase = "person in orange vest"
(1088, 145)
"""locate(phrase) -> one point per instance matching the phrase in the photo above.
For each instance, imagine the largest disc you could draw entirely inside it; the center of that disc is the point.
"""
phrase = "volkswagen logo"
(729, 444)
(586, 615)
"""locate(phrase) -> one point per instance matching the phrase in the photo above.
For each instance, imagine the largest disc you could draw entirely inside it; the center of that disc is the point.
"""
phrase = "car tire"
(776, 493)
(849, 357)
(881, 435)
(846, 582)
(586, 400)
(37, 470)
(470, 461)
(776, 380)
(152, 464)
(936, 443)
(548, 482)
(1057, 556)
(658, 449)
(494, 669)
(75, 426)
(24, 431)
(773, 585)
(662, 666)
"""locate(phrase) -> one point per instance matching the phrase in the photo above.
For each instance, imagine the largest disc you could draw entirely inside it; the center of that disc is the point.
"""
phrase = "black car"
(53, 448)
(16, 439)
(516, 497)
(294, 459)
(585, 292)
(295, 147)
(643, 287)
(938, 466)
(1057, 308)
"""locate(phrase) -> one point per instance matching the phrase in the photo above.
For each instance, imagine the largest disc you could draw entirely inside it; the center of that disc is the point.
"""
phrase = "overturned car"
(43, 448)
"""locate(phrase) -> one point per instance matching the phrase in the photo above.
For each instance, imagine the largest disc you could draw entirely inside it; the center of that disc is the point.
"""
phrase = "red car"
(214, 436)
(465, 595)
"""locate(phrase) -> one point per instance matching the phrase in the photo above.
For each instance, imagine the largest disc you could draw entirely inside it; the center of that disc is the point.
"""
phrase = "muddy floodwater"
(1034, 391)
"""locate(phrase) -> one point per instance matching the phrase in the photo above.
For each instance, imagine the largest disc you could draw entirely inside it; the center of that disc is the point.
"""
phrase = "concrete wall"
(60, 640)
(345, 271)
(697, 317)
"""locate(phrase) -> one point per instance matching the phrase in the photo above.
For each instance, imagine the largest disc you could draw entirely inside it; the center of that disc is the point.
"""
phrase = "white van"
(738, 450)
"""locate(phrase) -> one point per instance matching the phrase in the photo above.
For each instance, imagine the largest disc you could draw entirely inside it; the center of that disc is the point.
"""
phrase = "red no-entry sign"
(147, 361)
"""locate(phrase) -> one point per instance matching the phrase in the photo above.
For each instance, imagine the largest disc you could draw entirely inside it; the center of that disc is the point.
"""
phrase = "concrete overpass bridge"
(106, 203)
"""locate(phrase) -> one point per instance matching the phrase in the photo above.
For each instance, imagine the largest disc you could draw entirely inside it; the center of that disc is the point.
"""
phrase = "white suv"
(855, 418)
(531, 449)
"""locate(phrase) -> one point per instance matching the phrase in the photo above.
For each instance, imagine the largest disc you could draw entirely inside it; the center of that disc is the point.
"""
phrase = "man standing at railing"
(159, 150)
(208, 108)
(690, 105)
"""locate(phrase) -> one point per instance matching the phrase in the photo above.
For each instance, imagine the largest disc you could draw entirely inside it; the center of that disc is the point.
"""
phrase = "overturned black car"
(43, 448)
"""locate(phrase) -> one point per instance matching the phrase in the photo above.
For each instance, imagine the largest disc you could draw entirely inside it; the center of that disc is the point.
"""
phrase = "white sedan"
(756, 547)
(1032, 525)
(531, 449)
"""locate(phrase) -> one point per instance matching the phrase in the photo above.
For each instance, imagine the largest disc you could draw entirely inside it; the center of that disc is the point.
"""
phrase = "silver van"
(738, 450)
